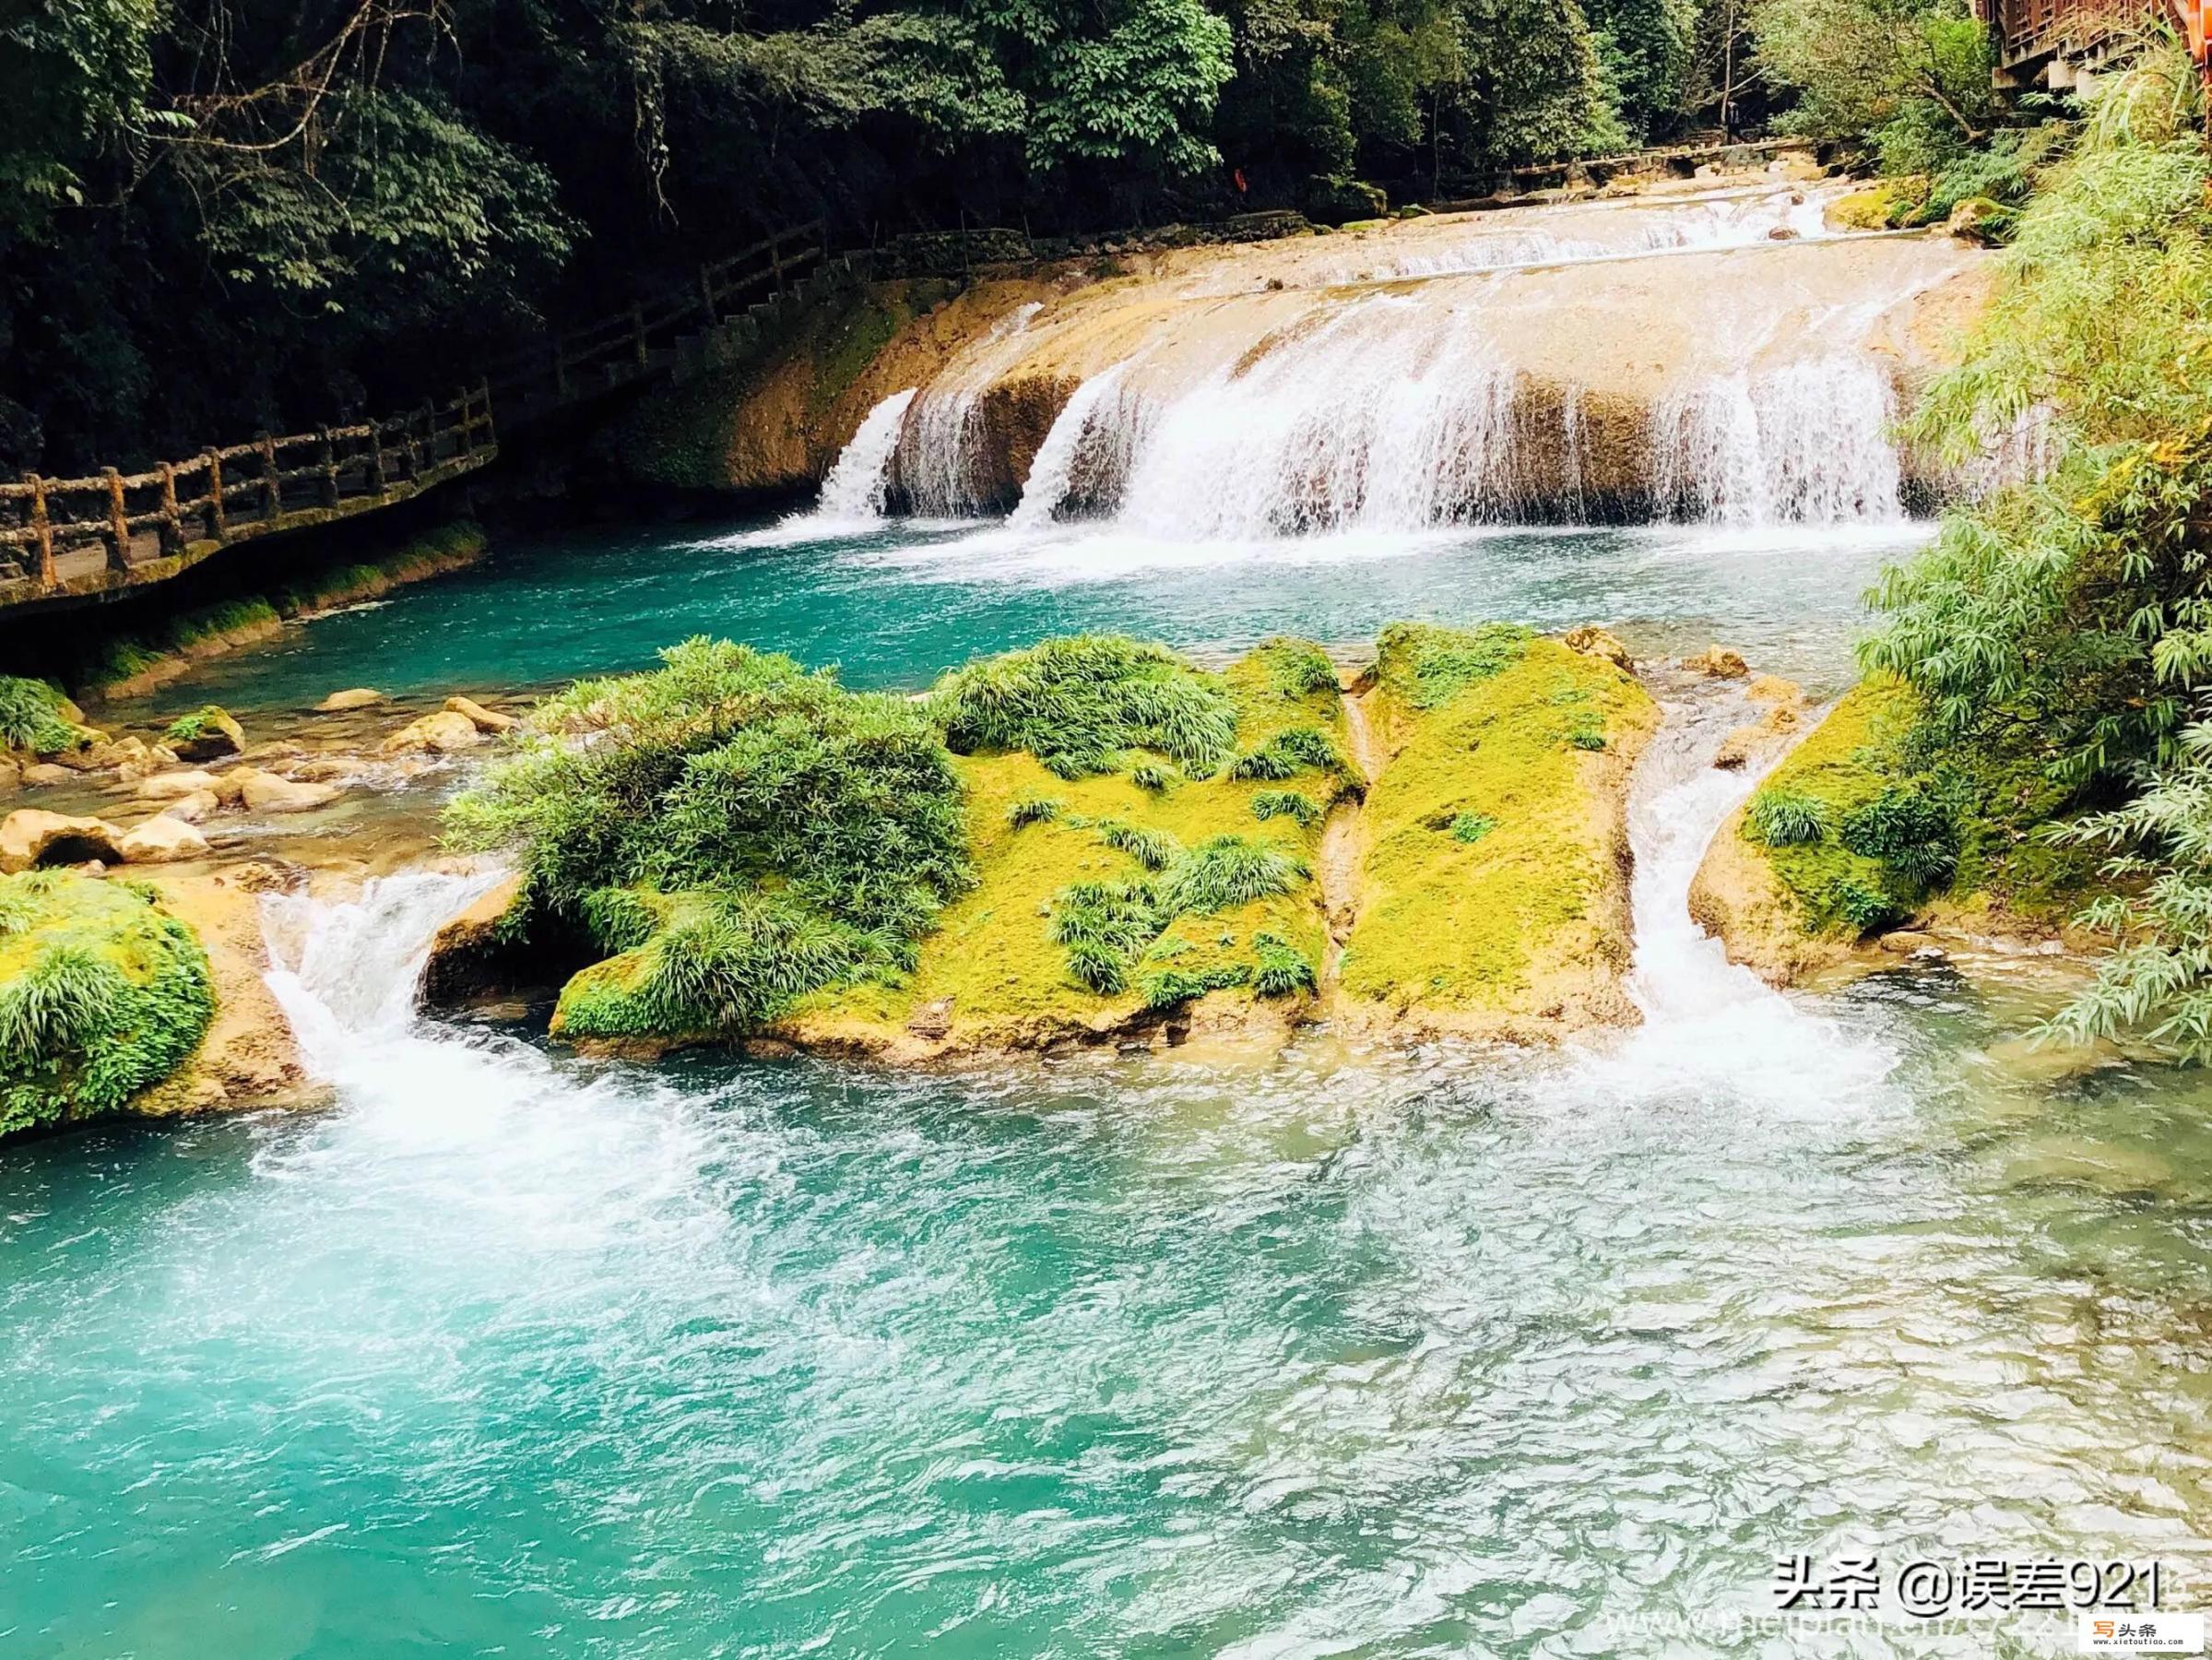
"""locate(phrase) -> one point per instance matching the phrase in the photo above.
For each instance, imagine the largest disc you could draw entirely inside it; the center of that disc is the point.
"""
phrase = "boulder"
(469, 954)
(44, 775)
(11, 772)
(355, 697)
(193, 808)
(1980, 221)
(89, 755)
(1773, 689)
(31, 836)
(433, 734)
(162, 839)
(1757, 738)
(318, 769)
(175, 786)
(205, 735)
(1717, 662)
(266, 792)
(1593, 641)
(479, 717)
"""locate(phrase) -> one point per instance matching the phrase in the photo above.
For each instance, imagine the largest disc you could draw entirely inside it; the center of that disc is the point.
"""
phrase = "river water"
(1347, 1353)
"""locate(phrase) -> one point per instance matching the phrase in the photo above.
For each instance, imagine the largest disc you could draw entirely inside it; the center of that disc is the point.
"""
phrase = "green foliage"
(1154, 849)
(1470, 827)
(1426, 666)
(1032, 810)
(1226, 871)
(185, 729)
(31, 716)
(1288, 752)
(1293, 667)
(1907, 831)
(1151, 775)
(72, 76)
(1782, 818)
(1282, 969)
(810, 833)
(1078, 703)
(102, 995)
(1909, 77)
(1104, 927)
(1293, 804)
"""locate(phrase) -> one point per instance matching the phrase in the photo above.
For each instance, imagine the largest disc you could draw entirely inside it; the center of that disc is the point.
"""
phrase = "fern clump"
(1284, 970)
(1781, 818)
(1293, 668)
(1025, 810)
(1154, 849)
(1228, 870)
(1150, 777)
(745, 831)
(1471, 826)
(1077, 704)
(32, 716)
(1287, 754)
(103, 994)
(1908, 832)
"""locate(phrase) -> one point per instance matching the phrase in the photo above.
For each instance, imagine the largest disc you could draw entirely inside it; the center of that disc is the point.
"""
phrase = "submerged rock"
(1717, 662)
(355, 697)
(159, 840)
(266, 792)
(172, 786)
(436, 734)
(483, 719)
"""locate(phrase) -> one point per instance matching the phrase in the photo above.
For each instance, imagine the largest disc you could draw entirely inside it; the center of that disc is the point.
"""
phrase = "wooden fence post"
(327, 458)
(776, 261)
(483, 394)
(172, 525)
(707, 296)
(47, 579)
(219, 517)
(272, 487)
(637, 331)
(376, 477)
(119, 523)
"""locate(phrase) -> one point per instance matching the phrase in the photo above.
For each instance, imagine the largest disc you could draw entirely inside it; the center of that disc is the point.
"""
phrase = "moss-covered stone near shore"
(102, 995)
(1495, 876)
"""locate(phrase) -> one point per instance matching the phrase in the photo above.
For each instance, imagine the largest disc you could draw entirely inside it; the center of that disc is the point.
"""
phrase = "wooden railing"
(80, 536)
(615, 350)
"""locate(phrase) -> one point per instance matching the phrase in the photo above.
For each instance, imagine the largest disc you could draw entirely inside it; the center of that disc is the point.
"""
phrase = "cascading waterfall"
(1087, 453)
(941, 442)
(1807, 443)
(858, 486)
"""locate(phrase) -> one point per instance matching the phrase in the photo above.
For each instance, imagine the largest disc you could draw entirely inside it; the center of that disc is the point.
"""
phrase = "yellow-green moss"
(1882, 206)
(102, 995)
(992, 956)
(1497, 921)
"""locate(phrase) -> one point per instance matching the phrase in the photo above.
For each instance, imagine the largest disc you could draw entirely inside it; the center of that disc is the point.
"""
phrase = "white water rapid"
(937, 456)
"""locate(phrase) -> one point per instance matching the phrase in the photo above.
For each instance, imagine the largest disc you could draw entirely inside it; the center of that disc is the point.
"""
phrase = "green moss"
(32, 716)
(1077, 704)
(185, 729)
(103, 994)
(854, 342)
(1489, 846)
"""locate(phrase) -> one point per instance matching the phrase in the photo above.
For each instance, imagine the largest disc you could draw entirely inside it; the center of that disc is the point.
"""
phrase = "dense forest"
(220, 214)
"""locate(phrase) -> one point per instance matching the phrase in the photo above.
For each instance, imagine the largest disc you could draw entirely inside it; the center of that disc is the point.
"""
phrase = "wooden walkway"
(65, 541)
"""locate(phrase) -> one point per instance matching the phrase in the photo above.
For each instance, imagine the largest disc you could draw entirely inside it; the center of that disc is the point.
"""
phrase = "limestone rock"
(479, 717)
(1980, 221)
(1908, 941)
(1717, 662)
(433, 734)
(356, 697)
(1756, 739)
(11, 772)
(932, 1020)
(30, 835)
(467, 954)
(91, 754)
(1773, 689)
(205, 735)
(175, 786)
(45, 775)
(1593, 641)
(162, 839)
(193, 808)
(318, 769)
(266, 792)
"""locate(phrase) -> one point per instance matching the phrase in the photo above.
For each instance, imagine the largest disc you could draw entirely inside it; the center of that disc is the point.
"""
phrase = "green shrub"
(1077, 703)
(1781, 818)
(1287, 754)
(1288, 804)
(1154, 849)
(779, 833)
(1226, 871)
(1294, 667)
(103, 994)
(31, 716)
(1151, 775)
(1171, 984)
(1033, 810)
(1864, 909)
(1104, 926)
(1587, 737)
(1908, 832)
(1284, 969)
(198, 724)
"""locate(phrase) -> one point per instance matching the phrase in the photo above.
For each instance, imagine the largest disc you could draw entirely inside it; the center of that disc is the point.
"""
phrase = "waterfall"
(939, 452)
(859, 484)
(345, 970)
(1808, 443)
(1087, 453)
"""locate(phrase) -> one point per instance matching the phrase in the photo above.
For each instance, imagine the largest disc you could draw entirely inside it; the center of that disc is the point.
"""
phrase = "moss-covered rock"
(102, 995)
(1495, 875)
(206, 734)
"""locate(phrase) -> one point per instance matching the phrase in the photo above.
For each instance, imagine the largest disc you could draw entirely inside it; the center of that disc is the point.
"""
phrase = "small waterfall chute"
(858, 486)
(1806, 444)
(1091, 440)
(939, 456)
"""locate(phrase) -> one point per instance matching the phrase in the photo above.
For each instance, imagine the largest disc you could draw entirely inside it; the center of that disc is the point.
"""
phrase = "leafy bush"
(185, 729)
(1284, 969)
(1292, 804)
(1427, 665)
(1294, 667)
(1781, 818)
(811, 833)
(1906, 831)
(1226, 871)
(1076, 703)
(1865, 910)
(1171, 983)
(1471, 826)
(103, 994)
(1033, 810)
(1287, 754)
(1104, 926)
(31, 716)
(1151, 775)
